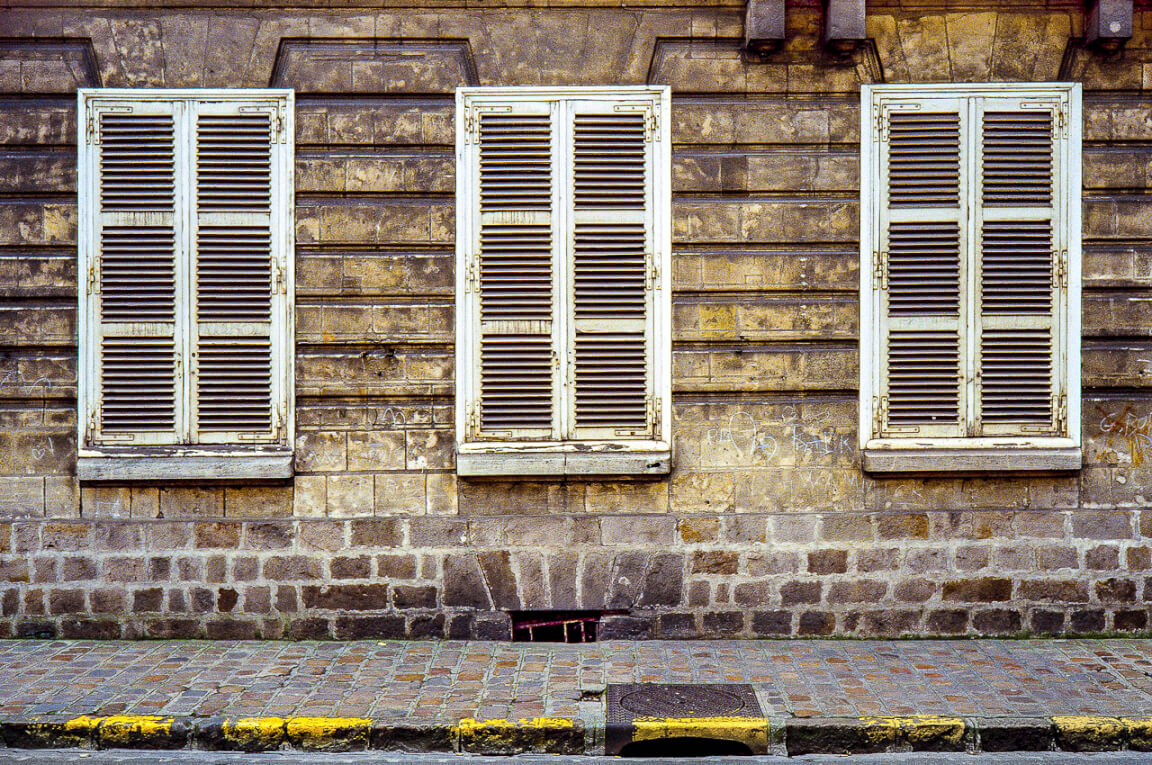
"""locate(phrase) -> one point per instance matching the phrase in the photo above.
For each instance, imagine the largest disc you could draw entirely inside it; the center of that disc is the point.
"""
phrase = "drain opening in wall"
(555, 626)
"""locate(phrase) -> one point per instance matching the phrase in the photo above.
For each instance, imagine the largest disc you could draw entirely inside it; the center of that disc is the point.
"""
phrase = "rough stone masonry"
(766, 527)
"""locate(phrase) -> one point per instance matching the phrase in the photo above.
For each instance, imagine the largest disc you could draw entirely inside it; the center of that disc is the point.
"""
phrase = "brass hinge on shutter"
(277, 422)
(93, 134)
(655, 411)
(91, 286)
(879, 270)
(1059, 123)
(879, 414)
(472, 275)
(90, 428)
(651, 126)
(280, 126)
(1060, 269)
(472, 419)
(471, 127)
(881, 127)
(279, 282)
(1061, 411)
(652, 282)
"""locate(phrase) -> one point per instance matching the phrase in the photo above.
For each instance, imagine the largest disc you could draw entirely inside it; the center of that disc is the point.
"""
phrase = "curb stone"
(545, 735)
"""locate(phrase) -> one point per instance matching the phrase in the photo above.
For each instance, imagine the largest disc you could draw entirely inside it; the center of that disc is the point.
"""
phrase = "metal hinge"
(91, 287)
(93, 134)
(881, 126)
(471, 127)
(90, 430)
(472, 274)
(1061, 410)
(1060, 124)
(653, 280)
(879, 414)
(655, 411)
(879, 270)
(279, 282)
(277, 422)
(472, 419)
(281, 125)
(1060, 269)
(651, 126)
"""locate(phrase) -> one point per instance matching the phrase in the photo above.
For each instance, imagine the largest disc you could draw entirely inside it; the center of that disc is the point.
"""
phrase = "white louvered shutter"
(136, 272)
(514, 272)
(610, 251)
(239, 272)
(1021, 262)
(920, 268)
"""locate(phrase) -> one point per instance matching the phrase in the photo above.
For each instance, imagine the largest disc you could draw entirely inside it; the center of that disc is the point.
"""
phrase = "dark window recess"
(555, 626)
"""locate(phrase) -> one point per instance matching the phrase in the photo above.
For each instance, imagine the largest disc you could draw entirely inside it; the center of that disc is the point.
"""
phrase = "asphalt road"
(117, 757)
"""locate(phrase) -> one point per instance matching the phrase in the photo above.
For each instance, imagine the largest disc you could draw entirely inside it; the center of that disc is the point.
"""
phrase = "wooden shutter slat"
(1017, 346)
(137, 244)
(517, 242)
(923, 159)
(923, 274)
(611, 286)
(234, 291)
(137, 162)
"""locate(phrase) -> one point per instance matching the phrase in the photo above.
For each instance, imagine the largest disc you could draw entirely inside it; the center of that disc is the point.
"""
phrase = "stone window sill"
(564, 460)
(184, 464)
(973, 455)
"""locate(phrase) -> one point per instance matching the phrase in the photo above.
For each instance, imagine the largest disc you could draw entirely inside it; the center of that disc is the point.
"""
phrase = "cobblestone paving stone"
(448, 681)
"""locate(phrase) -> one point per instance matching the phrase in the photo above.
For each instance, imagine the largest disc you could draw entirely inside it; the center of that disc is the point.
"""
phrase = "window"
(563, 336)
(185, 297)
(970, 278)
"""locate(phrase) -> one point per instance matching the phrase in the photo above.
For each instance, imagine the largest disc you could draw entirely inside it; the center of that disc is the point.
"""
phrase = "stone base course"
(938, 573)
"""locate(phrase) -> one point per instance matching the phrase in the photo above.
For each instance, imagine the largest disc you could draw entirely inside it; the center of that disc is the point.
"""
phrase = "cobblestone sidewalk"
(444, 682)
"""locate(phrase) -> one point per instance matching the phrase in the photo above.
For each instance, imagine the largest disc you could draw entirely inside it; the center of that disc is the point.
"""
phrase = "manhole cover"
(682, 701)
(647, 702)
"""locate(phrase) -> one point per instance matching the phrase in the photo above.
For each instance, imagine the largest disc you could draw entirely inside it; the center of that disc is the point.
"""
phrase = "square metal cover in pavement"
(652, 711)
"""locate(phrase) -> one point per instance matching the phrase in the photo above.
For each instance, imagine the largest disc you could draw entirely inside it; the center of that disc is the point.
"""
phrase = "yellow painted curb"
(254, 733)
(329, 734)
(499, 736)
(1139, 732)
(1089, 733)
(127, 731)
(750, 731)
(918, 731)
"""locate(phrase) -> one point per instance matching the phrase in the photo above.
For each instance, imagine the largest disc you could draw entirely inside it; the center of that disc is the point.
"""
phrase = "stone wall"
(767, 526)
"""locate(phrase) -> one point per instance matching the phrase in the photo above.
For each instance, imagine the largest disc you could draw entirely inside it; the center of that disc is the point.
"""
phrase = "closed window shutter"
(610, 247)
(920, 268)
(1021, 267)
(238, 274)
(134, 275)
(514, 271)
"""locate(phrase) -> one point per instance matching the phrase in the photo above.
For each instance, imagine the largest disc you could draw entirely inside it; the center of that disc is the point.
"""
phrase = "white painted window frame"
(563, 458)
(1001, 453)
(101, 461)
